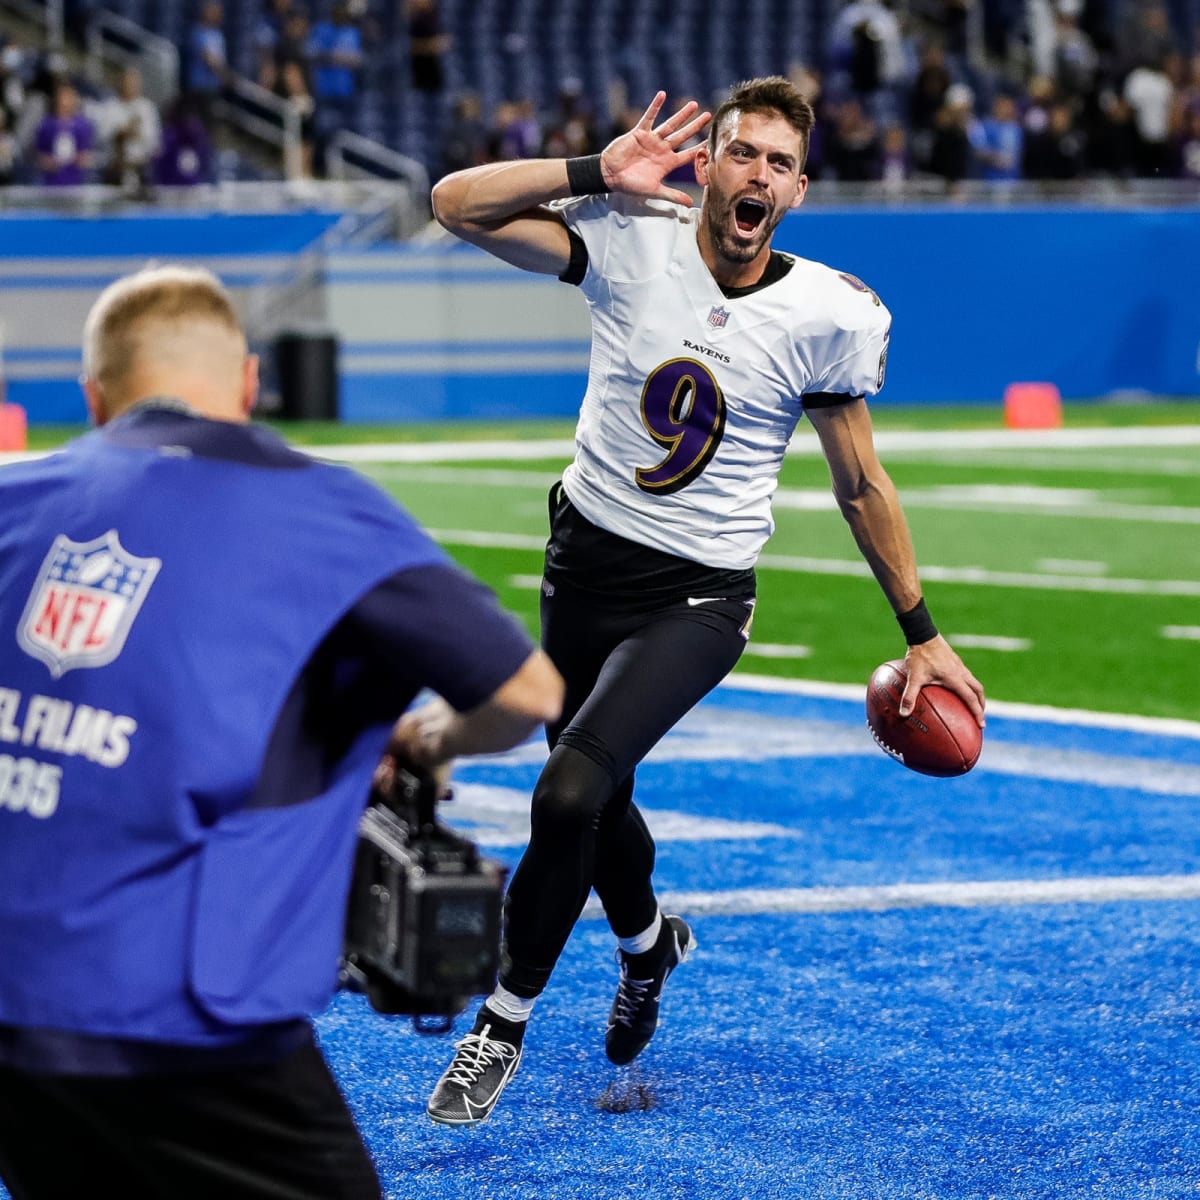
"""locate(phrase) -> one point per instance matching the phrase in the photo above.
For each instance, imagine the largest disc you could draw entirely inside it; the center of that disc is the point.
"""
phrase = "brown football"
(939, 737)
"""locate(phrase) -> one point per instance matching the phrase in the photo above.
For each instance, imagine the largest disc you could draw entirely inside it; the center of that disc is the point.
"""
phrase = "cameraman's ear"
(441, 776)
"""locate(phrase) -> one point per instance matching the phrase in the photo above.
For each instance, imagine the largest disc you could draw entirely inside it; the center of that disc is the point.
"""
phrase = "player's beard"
(721, 223)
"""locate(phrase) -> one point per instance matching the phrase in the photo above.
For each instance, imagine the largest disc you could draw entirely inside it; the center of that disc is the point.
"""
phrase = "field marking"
(1071, 566)
(722, 733)
(509, 449)
(1101, 889)
(804, 443)
(1126, 722)
(1057, 502)
(498, 817)
(532, 582)
(776, 650)
(982, 576)
(857, 568)
(1183, 633)
(1001, 499)
(985, 641)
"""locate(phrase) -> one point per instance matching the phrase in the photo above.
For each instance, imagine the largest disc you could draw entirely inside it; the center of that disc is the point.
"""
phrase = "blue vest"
(156, 607)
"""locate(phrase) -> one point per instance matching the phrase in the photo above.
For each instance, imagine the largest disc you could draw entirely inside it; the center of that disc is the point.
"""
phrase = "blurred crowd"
(56, 130)
(1053, 90)
(905, 89)
(58, 127)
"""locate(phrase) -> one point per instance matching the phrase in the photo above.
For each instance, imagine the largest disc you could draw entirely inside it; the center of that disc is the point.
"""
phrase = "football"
(939, 737)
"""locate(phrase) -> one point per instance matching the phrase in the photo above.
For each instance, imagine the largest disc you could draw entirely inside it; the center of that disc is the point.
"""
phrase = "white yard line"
(1101, 889)
(1071, 566)
(804, 443)
(988, 641)
(1127, 722)
(776, 650)
(858, 568)
(986, 498)
(1182, 633)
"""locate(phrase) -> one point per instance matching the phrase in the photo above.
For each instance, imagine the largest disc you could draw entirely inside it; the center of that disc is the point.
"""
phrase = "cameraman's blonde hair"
(133, 318)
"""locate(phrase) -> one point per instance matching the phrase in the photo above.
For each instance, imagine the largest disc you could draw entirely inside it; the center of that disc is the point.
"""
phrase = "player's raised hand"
(639, 161)
(936, 661)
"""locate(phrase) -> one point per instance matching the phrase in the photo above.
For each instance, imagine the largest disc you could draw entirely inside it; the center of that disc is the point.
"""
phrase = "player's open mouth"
(748, 215)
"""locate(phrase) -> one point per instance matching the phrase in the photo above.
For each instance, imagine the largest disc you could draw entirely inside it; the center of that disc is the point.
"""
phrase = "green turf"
(1088, 649)
(1078, 414)
(1114, 513)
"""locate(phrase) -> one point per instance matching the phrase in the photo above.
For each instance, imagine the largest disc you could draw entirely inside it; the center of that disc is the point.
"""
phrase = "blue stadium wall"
(1095, 301)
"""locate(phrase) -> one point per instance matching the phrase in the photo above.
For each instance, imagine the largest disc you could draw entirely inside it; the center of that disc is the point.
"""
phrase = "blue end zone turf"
(905, 988)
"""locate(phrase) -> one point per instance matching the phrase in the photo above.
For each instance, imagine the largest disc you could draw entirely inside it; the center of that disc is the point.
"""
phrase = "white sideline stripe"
(1127, 722)
(859, 569)
(1101, 889)
(804, 443)
(1183, 633)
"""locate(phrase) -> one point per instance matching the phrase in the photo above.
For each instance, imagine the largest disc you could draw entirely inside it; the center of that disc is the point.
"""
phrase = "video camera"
(423, 924)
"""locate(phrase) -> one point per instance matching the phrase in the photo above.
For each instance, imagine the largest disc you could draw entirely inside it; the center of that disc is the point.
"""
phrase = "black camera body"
(423, 923)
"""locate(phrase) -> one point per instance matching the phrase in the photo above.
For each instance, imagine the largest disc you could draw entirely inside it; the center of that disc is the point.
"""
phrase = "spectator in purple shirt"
(64, 140)
(186, 155)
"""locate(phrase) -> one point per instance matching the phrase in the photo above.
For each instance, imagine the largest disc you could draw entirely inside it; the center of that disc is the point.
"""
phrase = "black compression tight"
(630, 678)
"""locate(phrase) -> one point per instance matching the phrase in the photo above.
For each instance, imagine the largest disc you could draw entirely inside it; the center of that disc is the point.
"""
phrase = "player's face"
(752, 181)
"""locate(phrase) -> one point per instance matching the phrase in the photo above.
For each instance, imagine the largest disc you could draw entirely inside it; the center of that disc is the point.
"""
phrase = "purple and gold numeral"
(683, 410)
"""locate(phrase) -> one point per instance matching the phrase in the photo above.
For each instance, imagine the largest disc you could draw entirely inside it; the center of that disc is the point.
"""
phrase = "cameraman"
(205, 641)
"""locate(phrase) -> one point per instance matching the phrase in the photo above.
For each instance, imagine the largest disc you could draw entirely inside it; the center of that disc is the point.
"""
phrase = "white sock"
(512, 1008)
(643, 941)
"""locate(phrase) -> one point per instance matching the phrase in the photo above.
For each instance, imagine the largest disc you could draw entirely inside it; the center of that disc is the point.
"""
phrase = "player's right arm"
(500, 206)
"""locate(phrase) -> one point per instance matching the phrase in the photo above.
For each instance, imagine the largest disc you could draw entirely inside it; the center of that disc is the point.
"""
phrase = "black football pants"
(629, 678)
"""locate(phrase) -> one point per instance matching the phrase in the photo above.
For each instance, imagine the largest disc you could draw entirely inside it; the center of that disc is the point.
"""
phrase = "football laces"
(884, 746)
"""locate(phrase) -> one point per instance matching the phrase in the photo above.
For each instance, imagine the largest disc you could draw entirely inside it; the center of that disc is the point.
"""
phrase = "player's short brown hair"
(773, 96)
(123, 321)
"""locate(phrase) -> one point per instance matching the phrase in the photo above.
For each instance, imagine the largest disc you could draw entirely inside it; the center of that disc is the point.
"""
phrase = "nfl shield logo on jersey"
(717, 317)
(83, 602)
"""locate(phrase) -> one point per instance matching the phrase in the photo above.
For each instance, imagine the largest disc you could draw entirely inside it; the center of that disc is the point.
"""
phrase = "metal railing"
(114, 41)
(352, 156)
(49, 15)
(261, 114)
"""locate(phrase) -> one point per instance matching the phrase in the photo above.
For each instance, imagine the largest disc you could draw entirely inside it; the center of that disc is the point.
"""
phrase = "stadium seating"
(526, 49)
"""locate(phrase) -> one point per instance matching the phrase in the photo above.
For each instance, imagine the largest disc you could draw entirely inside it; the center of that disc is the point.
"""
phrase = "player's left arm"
(868, 501)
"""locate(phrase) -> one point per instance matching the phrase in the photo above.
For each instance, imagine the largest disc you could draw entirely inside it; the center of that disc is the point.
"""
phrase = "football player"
(707, 347)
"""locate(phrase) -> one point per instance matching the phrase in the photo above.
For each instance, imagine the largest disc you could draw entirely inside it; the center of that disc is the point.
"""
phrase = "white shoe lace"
(477, 1052)
(631, 994)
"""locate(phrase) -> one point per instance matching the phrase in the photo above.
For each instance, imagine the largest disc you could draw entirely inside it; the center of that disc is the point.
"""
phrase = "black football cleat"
(634, 1014)
(484, 1061)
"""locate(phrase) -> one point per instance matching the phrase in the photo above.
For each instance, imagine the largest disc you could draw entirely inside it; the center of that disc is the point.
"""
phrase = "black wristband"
(917, 625)
(584, 176)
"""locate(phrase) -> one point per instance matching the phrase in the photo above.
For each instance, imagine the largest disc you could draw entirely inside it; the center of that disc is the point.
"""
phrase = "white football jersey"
(692, 398)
